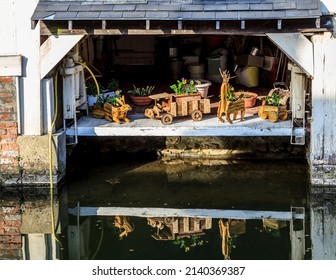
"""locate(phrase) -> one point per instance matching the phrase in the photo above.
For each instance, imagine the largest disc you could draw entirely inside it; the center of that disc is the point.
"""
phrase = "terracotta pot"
(249, 101)
(141, 100)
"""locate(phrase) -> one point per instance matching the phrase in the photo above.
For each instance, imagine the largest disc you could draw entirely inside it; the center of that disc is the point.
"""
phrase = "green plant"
(113, 85)
(141, 91)
(187, 243)
(184, 86)
(112, 99)
(230, 95)
(273, 100)
(91, 88)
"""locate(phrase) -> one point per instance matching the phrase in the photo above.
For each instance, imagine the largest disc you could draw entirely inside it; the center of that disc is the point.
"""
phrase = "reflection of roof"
(159, 95)
(175, 9)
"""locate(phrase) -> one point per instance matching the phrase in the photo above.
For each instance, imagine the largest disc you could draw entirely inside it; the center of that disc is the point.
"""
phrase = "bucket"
(196, 70)
(217, 60)
(248, 76)
(203, 88)
(175, 68)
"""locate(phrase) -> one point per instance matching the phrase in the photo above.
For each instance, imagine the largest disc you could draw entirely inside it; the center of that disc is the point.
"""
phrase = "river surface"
(126, 207)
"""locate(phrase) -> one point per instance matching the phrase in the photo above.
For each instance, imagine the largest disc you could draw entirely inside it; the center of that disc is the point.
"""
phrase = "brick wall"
(10, 235)
(9, 149)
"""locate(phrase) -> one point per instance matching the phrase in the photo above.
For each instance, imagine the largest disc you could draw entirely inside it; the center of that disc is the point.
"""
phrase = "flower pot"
(203, 88)
(141, 100)
(91, 100)
(250, 98)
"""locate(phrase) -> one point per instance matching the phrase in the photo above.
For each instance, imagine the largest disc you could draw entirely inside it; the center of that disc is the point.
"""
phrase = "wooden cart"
(275, 113)
(167, 106)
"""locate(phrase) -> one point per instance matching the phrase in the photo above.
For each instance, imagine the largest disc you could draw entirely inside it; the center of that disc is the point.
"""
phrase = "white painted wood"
(54, 49)
(323, 236)
(28, 45)
(37, 246)
(297, 47)
(210, 125)
(298, 91)
(10, 65)
(323, 128)
(7, 31)
(197, 213)
(48, 104)
(328, 7)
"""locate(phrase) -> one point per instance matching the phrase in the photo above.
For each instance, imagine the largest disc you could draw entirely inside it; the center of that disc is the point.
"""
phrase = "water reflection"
(150, 210)
(227, 239)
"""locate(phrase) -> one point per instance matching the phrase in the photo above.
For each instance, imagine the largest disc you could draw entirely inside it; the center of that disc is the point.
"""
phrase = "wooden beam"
(279, 24)
(54, 49)
(290, 43)
(10, 65)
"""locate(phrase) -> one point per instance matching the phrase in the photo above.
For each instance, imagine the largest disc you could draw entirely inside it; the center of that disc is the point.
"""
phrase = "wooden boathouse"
(44, 39)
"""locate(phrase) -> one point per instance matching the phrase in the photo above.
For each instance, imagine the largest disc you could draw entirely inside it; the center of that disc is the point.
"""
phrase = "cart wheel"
(196, 115)
(166, 119)
(262, 114)
(283, 116)
(149, 113)
(168, 220)
(273, 117)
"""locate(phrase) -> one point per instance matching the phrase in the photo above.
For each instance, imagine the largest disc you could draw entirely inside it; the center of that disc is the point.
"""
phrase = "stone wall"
(10, 235)
(9, 148)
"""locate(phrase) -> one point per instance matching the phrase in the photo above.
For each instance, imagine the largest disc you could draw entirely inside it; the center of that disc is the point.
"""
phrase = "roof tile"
(174, 9)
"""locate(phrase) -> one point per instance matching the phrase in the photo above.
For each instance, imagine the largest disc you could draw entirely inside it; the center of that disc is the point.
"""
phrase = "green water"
(124, 181)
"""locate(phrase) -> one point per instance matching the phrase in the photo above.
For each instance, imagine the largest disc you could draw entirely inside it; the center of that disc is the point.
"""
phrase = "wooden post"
(297, 235)
(323, 129)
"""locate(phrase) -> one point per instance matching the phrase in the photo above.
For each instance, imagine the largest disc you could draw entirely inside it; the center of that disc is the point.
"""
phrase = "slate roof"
(176, 9)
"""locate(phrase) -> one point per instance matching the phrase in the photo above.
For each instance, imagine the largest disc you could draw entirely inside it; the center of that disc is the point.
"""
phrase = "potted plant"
(92, 92)
(202, 86)
(139, 95)
(185, 90)
(274, 105)
(111, 107)
(250, 98)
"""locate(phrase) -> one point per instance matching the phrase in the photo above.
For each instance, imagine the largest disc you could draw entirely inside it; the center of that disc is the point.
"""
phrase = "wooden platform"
(210, 125)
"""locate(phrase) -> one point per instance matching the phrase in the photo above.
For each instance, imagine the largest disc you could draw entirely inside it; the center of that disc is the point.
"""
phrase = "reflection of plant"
(187, 243)
(232, 241)
(275, 232)
(184, 86)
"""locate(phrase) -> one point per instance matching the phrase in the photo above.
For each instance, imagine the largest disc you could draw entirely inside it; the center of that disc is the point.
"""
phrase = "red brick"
(5, 116)
(13, 224)
(6, 95)
(9, 147)
(7, 124)
(10, 239)
(2, 231)
(6, 79)
(7, 109)
(9, 101)
(9, 138)
(10, 246)
(10, 210)
(11, 131)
